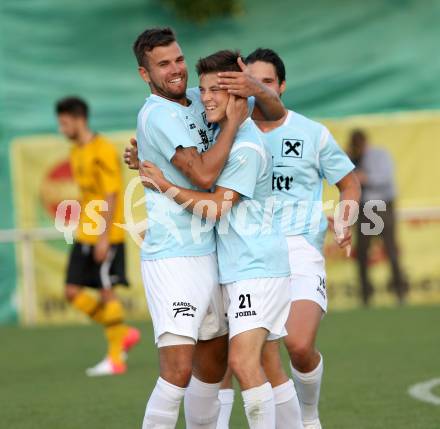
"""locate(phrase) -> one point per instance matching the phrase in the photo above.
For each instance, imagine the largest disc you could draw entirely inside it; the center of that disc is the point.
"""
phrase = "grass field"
(371, 358)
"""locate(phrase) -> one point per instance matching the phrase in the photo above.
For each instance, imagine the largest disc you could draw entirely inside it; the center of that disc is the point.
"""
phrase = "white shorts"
(258, 303)
(307, 267)
(184, 297)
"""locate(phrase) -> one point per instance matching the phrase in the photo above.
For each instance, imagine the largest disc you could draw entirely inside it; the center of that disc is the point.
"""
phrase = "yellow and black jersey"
(96, 169)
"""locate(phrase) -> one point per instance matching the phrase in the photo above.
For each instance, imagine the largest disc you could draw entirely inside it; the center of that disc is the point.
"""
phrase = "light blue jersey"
(304, 153)
(247, 245)
(162, 126)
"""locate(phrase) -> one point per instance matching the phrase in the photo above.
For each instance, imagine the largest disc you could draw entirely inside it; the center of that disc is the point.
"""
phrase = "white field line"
(422, 391)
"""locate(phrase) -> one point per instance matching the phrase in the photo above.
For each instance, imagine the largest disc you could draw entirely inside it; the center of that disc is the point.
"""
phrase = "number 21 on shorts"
(245, 301)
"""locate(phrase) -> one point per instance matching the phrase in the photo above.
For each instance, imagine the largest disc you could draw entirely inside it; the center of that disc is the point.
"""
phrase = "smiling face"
(266, 74)
(213, 98)
(166, 72)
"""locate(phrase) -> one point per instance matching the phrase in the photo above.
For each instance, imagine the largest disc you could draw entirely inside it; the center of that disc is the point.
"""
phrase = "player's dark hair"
(268, 56)
(74, 106)
(150, 39)
(358, 136)
(220, 61)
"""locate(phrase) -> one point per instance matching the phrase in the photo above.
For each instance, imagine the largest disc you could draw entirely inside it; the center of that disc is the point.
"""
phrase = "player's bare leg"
(244, 359)
(208, 361)
(175, 362)
(202, 405)
(211, 359)
(227, 379)
(272, 364)
(306, 361)
(287, 409)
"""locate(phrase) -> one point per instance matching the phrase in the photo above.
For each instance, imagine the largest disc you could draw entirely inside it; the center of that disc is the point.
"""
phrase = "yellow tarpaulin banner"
(42, 178)
(413, 140)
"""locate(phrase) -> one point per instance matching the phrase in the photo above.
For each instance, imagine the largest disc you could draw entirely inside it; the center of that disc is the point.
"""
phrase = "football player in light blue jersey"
(180, 271)
(252, 252)
(304, 154)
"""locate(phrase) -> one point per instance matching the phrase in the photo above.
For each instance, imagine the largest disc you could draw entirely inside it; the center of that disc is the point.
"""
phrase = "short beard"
(168, 95)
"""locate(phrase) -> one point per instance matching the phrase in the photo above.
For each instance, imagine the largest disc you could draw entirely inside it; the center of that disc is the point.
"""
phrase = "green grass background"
(371, 358)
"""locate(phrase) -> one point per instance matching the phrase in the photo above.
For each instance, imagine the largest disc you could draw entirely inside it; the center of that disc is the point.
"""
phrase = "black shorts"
(83, 270)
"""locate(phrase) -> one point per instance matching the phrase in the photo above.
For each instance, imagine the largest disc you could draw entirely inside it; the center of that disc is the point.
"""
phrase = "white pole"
(26, 237)
(28, 280)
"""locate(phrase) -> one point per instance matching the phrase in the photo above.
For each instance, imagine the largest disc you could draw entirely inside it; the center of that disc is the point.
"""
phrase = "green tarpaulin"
(343, 57)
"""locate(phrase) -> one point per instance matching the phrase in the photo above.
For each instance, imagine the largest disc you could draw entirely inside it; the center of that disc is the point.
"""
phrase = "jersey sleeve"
(241, 170)
(108, 169)
(334, 164)
(168, 131)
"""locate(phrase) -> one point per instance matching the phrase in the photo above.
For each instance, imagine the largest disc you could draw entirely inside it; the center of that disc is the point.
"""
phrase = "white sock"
(287, 410)
(226, 397)
(259, 406)
(202, 405)
(163, 406)
(308, 386)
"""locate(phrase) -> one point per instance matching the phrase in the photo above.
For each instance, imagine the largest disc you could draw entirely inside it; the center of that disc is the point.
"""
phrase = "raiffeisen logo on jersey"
(292, 148)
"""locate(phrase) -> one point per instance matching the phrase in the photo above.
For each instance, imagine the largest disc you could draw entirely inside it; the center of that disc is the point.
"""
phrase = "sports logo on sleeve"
(292, 148)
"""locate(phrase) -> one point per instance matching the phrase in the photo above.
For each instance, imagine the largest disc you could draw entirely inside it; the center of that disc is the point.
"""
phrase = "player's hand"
(342, 234)
(131, 155)
(237, 110)
(239, 83)
(152, 177)
(101, 249)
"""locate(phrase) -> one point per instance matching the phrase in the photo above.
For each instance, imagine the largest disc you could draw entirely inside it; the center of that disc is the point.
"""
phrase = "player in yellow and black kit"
(97, 257)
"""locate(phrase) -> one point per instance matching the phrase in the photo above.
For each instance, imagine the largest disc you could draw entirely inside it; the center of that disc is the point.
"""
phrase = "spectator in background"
(375, 171)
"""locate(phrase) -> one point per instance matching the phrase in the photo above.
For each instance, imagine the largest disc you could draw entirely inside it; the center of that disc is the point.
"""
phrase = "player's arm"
(208, 205)
(349, 194)
(237, 179)
(337, 168)
(243, 84)
(349, 188)
(110, 180)
(103, 243)
(203, 169)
